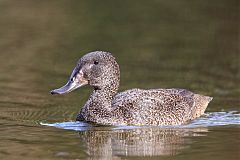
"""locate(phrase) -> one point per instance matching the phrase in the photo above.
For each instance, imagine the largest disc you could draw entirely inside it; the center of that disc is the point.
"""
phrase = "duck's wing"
(169, 106)
(154, 97)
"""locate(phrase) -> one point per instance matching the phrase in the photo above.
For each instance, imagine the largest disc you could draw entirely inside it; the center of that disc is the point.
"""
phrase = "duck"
(137, 107)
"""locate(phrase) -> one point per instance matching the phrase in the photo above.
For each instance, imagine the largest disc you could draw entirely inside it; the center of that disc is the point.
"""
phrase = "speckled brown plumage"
(132, 107)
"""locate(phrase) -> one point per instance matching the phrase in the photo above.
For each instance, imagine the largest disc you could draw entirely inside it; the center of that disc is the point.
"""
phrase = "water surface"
(158, 44)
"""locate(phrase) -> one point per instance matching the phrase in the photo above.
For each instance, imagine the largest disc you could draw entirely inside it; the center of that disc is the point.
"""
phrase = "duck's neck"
(103, 95)
(102, 98)
(99, 105)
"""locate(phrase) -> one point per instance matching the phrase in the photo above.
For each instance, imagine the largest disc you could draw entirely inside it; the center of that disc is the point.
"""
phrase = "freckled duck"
(132, 107)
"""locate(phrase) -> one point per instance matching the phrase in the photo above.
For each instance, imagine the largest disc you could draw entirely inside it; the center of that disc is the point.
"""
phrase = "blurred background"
(158, 44)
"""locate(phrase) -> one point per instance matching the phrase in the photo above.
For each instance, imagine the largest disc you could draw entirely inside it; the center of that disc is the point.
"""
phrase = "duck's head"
(97, 69)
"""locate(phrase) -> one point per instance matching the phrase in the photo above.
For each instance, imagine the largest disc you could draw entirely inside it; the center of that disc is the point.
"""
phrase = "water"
(207, 120)
(105, 142)
(158, 44)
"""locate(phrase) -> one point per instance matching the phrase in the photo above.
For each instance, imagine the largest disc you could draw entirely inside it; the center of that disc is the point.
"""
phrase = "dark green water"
(158, 44)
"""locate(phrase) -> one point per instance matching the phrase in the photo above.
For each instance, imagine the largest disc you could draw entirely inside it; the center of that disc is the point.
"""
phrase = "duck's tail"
(201, 103)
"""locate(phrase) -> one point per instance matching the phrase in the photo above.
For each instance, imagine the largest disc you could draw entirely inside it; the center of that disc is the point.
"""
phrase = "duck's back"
(158, 106)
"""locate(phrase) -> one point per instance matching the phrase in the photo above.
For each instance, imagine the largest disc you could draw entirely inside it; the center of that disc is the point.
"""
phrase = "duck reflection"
(102, 144)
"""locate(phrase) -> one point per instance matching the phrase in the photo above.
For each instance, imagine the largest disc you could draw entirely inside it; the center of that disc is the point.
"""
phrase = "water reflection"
(102, 143)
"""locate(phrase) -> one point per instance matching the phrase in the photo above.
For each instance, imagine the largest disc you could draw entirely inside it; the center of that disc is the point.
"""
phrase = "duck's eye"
(96, 62)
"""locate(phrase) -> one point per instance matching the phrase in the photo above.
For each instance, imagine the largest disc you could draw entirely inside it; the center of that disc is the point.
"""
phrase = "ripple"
(72, 125)
(207, 120)
(216, 119)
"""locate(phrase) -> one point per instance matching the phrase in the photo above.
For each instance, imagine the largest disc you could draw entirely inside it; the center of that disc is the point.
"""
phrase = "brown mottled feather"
(136, 106)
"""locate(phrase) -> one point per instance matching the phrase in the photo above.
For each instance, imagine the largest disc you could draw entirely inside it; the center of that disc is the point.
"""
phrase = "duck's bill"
(74, 82)
(65, 89)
